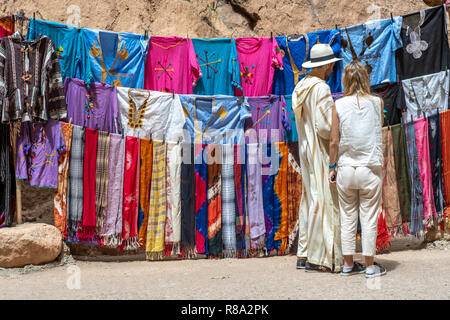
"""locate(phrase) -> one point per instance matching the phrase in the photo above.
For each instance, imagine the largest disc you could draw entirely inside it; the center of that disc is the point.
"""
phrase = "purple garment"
(113, 220)
(255, 198)
(103, 111)
(269, 113)
(38, 150)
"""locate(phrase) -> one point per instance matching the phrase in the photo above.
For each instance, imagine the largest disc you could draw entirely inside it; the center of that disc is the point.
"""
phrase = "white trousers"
(359, 190)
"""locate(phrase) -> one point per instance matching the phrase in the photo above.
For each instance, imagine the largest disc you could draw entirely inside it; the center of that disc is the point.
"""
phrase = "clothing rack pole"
(15, 131)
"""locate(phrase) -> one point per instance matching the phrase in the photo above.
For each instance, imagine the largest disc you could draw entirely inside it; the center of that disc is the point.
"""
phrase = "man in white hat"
(319, 245)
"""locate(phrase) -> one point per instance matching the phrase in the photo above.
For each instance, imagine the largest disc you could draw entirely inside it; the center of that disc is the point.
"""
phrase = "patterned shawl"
(201, 201)
(144, 192)
(229, 216)
(112, 226)
(75, 182)
(255, 201)
(188, 202)
(214, 199)
(158, 204)
(101, 179)
(61, 196)
(294, 186)
(173, 181)
(7, 185)
(89, 170)
(281, 191)
(130, 194)
(445, 128)
(240, 187)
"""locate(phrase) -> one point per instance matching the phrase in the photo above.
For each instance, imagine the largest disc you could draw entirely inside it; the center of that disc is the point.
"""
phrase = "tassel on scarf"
(229, 253)
(153, 256)
(188, 252)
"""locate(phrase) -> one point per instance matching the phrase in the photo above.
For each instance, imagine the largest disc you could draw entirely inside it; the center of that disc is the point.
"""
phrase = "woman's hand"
(332, 176)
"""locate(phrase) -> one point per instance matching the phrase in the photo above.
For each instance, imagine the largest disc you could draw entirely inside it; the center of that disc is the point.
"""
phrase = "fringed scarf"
(229, 216)
(101, 179)
(75, 183)
(271, 201)
(281, 191)
(294, 186)
(112, 226)
(445, 129)
(61, 196)
(89, 169)
(240, 187)
(173, 181)
(391, 203)
(7, 183)
(416, 227)
(144, 192)
(255, 201)
(201, 201)
(130, 194)
(158, 204)
(423, 155)
(214, 183)
(434, 136)
(188, 201)
(402, 171)
(383, 240)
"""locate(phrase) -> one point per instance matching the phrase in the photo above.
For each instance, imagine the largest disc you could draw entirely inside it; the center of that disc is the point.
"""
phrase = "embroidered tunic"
(31, 84)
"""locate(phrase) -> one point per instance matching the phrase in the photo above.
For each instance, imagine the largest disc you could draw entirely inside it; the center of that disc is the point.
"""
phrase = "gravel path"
(412, 274)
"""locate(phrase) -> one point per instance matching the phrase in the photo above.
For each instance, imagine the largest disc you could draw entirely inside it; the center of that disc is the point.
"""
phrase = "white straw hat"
(321, 54)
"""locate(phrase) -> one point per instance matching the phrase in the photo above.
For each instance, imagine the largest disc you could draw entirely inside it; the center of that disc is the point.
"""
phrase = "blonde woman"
(356, 150)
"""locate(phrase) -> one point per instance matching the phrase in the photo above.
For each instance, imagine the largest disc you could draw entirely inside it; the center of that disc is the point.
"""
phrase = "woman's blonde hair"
(356, 80)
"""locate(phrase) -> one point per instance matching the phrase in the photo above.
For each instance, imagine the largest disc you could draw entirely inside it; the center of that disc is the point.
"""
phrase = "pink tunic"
(258, 58)
(171, 65)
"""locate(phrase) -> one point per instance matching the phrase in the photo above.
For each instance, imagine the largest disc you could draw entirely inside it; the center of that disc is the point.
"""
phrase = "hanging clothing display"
(30, 77)
(214, 198)
(425, 46)
(291, 133)
(402, 171)
(112, 225)
(188, 202)
(6, 26)
(75, 183)
(295, 51)
(294, 190)
(61, 197)
(7, 182)
(101, 179)
(38, 149)
(67, 44)
(144, 113)
(211, 117)
(92, 105)
(390, 199)
(258, 58)
(394, 101)
(130, 194)
(426, 94)
(115, 58)
(201, 200)
(146, 163)
(173, 181)
(241, 213)
(219, 64)
(269, 119)
(374, 44)
(171, 65)
(229, 204)
(158, 203)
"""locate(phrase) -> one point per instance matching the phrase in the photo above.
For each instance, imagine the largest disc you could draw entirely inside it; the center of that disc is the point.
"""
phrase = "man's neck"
(318, 74)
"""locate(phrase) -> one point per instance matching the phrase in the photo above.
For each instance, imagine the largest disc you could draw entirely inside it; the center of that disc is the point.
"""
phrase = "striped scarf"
(214, 199)
(201, 201)
(112, 226)
(173, 219)
(75, 182)
(294, 186)
(240, 187)
(130, 194)
(101, 179)
(188, 202)
(158, 204)
(229, 216)
(61, 195)
(144, 192)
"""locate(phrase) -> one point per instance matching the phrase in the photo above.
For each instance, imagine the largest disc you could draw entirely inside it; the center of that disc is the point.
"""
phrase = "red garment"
(6, 27)
(131, 192)
(89, 167)
(383, 239)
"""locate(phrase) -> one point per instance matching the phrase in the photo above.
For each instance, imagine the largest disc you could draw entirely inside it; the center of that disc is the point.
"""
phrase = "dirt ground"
(412, 274)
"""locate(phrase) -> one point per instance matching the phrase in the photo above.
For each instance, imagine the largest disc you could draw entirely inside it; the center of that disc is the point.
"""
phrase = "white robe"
(319, 223)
